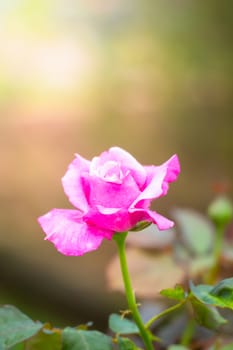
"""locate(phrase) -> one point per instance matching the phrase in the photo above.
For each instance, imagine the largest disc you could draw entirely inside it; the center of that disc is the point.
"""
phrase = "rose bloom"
(111, 193)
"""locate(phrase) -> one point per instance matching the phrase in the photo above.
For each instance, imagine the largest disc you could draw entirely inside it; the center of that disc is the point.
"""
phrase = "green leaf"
(74, 339)
(201, 292)
(16, 327)
(121, 325)
(126, 344)
(206, 316)
(196, 231)
(45, 339)
(176, 293)
(224, 292)
(221, 295)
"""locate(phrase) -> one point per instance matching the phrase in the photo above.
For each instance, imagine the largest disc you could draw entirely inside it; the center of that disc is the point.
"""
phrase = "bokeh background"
(78, 76)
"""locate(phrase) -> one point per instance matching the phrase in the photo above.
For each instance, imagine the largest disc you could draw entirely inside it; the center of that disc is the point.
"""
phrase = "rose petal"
(120, 220)
(70, 234)
(110, 171)
(73, 183)
(173, 170)
(138, 215)
(112, 195)
(114, 219)
(127, 161)
(158, 179)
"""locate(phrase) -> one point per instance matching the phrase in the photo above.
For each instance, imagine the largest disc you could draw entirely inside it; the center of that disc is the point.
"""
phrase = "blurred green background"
(78, 76)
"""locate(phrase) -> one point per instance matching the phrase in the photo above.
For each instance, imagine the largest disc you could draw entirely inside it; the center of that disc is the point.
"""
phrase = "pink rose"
(111, 193)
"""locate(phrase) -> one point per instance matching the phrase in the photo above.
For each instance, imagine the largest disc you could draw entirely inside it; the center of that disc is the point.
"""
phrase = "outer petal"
(127, 161)
(158, 179)
(120, 220)
(173, 170)
(113, 219)
(70, 234)
(152, 216)
(73, 183)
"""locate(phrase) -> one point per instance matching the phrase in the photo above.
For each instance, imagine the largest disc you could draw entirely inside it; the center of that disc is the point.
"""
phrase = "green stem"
(145, 335)
(188, 333)
(218, 243)
(163, 313)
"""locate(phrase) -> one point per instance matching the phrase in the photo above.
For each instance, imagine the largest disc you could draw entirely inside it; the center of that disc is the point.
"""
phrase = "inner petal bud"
(110, 171)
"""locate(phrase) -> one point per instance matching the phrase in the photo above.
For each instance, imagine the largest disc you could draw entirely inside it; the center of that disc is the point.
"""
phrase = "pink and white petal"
(138, 215)
(173, 170)
(173, 166)
(120, 220)
(114, 219)
(73, 182)
(112, 195)
(127, 161)
(158, 179)
(70, 234)
(154, 187)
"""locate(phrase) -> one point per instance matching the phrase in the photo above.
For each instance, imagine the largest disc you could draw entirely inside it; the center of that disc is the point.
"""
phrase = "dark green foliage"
(121, 325)
(221, 295)
(207, 316)
(15, 327)
(74, 339)
(126, 344)
(19, 332)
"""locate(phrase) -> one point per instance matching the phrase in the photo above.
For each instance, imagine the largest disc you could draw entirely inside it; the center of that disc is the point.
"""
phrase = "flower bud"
(221, 211)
